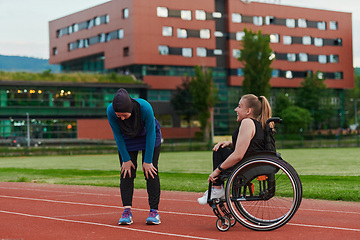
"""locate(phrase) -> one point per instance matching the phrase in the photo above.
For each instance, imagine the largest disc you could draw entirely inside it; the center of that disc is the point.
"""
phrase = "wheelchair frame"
(263, 191)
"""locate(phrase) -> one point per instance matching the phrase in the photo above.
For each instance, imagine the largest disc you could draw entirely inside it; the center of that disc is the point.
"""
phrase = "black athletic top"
(257, 143)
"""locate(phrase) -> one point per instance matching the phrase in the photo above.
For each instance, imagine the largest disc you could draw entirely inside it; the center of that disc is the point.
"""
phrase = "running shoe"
(126, 218)
(154, 217)
(215, 193)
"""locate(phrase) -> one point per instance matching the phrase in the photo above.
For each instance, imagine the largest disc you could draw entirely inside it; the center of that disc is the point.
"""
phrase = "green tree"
(203, 94)
(256, 56)
(315, 97)
(295, 118)
(182, 102)
(282, 102)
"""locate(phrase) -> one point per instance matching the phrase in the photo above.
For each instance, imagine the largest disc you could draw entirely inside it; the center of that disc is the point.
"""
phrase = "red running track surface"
(44, 211)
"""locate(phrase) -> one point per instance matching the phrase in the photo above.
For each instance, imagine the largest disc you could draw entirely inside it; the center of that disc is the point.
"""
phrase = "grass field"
(332, 174)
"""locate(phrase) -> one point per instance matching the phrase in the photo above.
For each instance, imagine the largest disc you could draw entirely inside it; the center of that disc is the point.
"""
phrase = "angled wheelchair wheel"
(263, 193)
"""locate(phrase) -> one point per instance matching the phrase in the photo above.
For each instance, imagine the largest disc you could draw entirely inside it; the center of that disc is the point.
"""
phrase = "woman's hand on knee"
(222, 145)
(126, 168)
(149, 169)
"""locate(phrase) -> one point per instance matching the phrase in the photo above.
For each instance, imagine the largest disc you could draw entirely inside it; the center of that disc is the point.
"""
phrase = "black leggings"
(152, 184)
(219, 157)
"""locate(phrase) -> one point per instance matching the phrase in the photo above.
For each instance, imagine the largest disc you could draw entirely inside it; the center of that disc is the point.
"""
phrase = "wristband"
(221, 169)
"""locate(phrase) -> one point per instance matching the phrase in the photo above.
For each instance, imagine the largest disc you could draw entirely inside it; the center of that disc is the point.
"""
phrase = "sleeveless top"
(257, 143)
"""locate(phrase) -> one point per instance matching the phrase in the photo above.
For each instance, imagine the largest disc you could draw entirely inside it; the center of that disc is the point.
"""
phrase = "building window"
(303, 57)
(80, 43)
(269, 20)
(107, 18)
(200, 15)
(163, 50)
(97, 21)
(201, 52)
(55, 52)
(218, 52)
(287, 40)
(102, 37)
(288, 74)
(162, 12)
(272, 56)
(274, 38)
(90, 24)
(126, 52)
(321, 25)
(165, 120)
(318, 42)
(76, 27)
(217, 15)
(205, 33)
(320, 75)
(306, 40)
(187, 52)
(125, 13)
(338, 75)
(86, 43)
(334, 58)
(236, 18)
(291, 57)
(236, 53)
(258, 21)
(333, 25)
(121, 33)
(290, 23)
(218, 34)
(167, 31)
(240, 72)
(70, 29)
(240, 35)
(275, 73)
(181, 33)
(302, 23)
(186, 15)
(322, 59)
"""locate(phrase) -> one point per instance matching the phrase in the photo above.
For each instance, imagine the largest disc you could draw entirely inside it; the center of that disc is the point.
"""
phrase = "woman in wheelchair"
(252, 112)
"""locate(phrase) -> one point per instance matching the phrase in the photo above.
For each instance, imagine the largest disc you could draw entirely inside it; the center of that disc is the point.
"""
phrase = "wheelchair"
(263, 191)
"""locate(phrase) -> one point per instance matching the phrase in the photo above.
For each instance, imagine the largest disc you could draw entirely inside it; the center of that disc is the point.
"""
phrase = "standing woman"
(135, 128)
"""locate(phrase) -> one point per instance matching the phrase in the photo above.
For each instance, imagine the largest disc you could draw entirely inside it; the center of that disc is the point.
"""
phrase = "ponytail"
(265, 112)
(261, 108)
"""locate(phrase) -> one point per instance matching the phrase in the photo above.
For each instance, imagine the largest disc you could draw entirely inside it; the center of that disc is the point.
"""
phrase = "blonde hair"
(261, 108)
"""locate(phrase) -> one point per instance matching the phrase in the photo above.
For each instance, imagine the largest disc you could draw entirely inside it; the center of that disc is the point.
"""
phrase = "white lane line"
(166, 212)
(327, 227)
(105, 225)
(95, 194)
(101, 205)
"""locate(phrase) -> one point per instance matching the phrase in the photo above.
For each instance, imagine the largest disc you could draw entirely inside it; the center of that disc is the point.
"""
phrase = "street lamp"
(355, 108)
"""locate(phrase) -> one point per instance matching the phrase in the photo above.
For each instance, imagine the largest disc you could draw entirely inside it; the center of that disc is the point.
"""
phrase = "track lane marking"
(106, 225)
(167, 212)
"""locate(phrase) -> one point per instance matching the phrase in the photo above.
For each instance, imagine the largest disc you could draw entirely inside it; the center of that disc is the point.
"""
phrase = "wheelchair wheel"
(223, 224)
(263, 193)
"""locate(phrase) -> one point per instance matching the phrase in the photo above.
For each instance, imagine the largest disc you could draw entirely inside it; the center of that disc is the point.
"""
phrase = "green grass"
(331, 174)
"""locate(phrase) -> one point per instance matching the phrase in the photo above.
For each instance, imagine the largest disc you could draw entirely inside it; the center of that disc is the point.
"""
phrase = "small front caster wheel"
(223, 224)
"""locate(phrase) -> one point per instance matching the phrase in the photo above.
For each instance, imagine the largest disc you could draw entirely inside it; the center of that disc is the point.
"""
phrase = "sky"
(24, 24)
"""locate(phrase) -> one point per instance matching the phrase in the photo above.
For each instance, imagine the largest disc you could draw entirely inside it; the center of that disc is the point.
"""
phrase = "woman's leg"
(127, 183)
(219, 157)
(153, 184)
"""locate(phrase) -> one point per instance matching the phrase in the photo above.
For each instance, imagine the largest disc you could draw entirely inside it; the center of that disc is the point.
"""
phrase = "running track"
(44, 211)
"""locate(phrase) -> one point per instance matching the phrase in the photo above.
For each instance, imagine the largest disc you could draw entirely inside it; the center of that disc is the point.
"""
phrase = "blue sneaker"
(126, 218)
(154, 217)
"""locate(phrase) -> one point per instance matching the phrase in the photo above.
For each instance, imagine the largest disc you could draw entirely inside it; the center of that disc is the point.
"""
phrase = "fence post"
(319, 139)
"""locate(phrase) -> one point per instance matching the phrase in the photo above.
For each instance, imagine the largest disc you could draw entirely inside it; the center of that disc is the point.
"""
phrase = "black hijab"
(123, 103)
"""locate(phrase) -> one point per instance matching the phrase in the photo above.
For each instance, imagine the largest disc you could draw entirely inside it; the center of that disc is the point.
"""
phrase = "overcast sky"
(24, 24)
